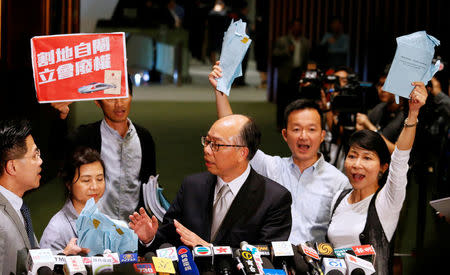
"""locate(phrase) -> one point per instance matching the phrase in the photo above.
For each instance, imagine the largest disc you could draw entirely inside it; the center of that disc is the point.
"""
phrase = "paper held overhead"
(234, 47)
(412, 62)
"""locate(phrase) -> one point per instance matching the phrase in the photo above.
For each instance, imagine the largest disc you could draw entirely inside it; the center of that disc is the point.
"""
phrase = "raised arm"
(418, 98)
(222, 103)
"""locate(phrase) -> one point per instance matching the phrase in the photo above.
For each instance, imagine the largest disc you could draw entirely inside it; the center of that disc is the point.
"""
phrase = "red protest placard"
(74, 67)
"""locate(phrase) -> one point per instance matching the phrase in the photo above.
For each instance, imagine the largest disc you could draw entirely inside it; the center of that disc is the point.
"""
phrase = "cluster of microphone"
(278, 258)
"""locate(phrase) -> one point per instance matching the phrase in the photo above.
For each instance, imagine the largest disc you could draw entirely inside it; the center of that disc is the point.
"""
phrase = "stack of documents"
(152, 198)
(412, 62)
(234, 46)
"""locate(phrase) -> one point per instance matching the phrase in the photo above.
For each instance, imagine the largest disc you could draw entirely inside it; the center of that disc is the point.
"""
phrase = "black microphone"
(314, 268)
(248, 262)
(282, 255)
(203, 258)
(239, 265)
(149, 256)
(267, 264)
(358, 271)
(300, 264)
(44, 270)
(60, 261)
(223, 255)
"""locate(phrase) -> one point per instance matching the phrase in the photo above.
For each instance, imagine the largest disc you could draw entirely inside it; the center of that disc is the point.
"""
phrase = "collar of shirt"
(316, 166)
(235, 185)
(13, 199)
(106, 129)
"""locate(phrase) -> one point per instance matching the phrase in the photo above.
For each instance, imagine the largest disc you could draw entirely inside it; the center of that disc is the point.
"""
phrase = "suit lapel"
(244, 205)
(16, 219)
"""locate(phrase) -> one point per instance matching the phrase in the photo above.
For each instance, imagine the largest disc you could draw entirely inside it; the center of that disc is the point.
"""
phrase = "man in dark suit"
(226, 205)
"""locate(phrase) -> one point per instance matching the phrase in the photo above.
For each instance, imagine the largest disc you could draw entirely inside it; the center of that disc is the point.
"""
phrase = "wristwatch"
(410, 125)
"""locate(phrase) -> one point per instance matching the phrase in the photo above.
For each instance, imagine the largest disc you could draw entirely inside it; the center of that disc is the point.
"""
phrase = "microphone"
(325, 250)
(203, 257)
(282, 252)
(74, 265)
(38, 259)
(239, 265)
(222, 259)
(340, 252)
(366, 252)
(263, 249)
(114, 256)
(186, 264)
(147, 266)
(44, 270)
(333, 266)
(167, 250)
(309, 254)
(300, 265)
(248, 262)
(256, 255)
(101, 264)
(357, 266)
(269, 269)
(60, 261)
(267, 264)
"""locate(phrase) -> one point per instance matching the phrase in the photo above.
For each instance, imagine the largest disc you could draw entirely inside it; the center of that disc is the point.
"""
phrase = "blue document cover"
(412, 62)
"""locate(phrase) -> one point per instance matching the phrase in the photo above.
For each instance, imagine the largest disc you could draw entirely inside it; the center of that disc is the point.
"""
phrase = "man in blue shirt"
(311, 180)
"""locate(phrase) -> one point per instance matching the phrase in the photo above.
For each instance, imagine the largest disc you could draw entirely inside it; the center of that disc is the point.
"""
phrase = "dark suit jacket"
(14, 243)
(260, 212)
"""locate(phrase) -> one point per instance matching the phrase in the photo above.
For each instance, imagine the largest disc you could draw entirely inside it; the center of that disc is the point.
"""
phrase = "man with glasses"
(226, 205)
(311, 180)
(20, 168)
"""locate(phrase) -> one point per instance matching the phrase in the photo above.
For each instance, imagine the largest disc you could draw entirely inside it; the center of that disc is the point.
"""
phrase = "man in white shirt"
(226, 205)
(311, 180)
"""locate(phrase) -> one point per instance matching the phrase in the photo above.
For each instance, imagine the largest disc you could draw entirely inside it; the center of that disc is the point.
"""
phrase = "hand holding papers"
(234, 46)
(412, 62)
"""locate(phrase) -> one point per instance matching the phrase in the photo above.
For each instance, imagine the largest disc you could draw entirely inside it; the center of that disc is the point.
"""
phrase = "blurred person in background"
(290, 57)
(217, 24)
(386, 117)
(336, 44)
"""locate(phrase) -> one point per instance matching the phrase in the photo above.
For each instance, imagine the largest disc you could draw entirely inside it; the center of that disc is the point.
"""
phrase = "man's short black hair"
(302, 104)
(251, 137)
(13, 133)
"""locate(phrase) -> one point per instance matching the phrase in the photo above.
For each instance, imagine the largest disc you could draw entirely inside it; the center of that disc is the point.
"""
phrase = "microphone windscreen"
(357, 271)
(44, 270)
(148, 256)
(267, 264)
(301, 266)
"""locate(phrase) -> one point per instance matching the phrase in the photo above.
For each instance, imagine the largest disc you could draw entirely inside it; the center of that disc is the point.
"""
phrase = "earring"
(380, 175)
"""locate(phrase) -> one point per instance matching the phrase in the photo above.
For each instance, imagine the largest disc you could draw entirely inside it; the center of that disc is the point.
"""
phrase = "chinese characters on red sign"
(79, 67)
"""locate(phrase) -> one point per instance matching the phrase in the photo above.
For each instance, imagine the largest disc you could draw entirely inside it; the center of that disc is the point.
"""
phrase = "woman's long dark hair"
(372, 141)
(80, 156)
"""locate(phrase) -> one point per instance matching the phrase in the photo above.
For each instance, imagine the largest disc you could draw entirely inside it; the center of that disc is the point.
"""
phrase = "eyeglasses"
(214, 146)
(36, 155)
